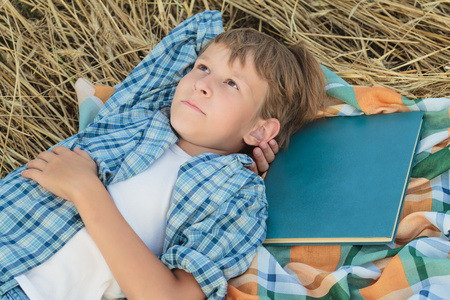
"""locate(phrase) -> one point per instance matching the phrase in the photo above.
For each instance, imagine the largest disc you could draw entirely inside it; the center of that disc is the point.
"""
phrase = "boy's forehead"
(226, 51)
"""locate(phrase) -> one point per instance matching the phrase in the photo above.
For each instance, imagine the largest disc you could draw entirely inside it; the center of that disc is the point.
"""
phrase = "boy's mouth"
(193, 106)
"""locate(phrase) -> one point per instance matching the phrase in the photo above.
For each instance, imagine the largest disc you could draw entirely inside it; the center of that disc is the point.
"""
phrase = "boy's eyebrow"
(238, 75)
(203, 56)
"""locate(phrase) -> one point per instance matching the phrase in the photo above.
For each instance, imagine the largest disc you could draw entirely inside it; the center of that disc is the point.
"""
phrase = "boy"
(238, 94)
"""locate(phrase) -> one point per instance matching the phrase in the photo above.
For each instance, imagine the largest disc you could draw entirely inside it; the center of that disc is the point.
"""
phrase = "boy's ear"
(265, 130)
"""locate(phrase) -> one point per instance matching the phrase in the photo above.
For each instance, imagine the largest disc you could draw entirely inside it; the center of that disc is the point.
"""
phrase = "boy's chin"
(176, 125)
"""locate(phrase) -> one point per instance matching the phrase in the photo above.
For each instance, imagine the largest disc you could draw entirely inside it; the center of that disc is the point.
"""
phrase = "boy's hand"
(263, 155)
(62, 171)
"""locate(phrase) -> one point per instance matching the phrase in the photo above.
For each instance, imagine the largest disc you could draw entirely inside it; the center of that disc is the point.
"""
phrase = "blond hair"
(296, 81)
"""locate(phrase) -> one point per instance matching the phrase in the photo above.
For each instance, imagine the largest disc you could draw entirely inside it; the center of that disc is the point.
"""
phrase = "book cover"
(342, 180)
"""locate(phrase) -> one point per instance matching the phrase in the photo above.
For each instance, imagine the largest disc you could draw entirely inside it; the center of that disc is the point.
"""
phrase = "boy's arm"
(72, 175)
(218, 224)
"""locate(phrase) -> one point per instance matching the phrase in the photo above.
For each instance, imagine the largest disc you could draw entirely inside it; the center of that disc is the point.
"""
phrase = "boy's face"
(217, 104)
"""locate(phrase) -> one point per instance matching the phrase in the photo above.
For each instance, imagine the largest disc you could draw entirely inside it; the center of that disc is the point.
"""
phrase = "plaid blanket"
(415, 266)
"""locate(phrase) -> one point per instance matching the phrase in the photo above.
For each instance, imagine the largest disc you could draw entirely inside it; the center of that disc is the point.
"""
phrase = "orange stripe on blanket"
(392, 280)
(445, 143)
(248, 291)
(418, 186)
(247, 282)
(415, 225)
(322, 257)
(316, 282)
(245, 286)
(377, 99)
(418, 197)
(103, 92)
(416, 204)
(331, 111)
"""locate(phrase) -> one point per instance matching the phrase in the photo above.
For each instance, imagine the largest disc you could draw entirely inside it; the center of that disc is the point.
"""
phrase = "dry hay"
(46, 45)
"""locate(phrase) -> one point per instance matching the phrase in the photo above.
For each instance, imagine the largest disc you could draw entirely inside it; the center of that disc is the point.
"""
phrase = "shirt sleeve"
(222, 245)
(152, 83)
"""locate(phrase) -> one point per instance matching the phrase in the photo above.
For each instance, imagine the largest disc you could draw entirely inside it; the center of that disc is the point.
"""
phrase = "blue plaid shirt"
(219, 209)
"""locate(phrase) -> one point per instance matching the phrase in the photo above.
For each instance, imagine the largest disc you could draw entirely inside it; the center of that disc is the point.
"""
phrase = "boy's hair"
(296, 82)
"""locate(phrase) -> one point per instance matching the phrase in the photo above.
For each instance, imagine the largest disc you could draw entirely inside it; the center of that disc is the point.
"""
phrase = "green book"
(342, 180)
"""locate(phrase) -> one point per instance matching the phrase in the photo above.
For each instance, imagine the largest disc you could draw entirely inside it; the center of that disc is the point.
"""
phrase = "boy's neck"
(194, 150)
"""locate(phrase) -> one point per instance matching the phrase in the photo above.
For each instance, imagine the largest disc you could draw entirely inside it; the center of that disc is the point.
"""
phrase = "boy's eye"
(203, 68)
(232, 84)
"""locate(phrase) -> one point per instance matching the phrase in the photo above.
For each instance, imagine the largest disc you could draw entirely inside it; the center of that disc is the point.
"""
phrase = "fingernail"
(264, 145)
(272, 142)
(257, 152)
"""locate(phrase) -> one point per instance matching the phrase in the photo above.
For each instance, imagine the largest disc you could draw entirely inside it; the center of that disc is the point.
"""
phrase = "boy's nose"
(204, 87)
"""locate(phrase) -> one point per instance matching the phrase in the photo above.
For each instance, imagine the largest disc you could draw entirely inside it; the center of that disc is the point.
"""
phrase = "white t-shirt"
(78, 270)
